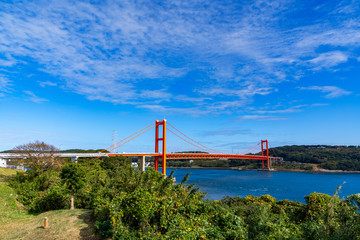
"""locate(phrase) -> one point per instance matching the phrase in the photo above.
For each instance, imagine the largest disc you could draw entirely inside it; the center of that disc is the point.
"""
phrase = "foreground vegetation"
(17, 223)
(128, 204)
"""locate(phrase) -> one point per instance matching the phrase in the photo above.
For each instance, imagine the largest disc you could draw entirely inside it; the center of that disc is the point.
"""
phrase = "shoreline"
(318, 170)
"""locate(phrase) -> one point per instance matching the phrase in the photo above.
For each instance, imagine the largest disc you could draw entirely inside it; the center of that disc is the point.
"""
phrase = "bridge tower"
(157, 140)
(267, 152)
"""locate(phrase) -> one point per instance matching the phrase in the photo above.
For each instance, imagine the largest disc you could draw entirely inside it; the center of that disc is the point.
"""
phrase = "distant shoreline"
(313, 171)
(319, 170)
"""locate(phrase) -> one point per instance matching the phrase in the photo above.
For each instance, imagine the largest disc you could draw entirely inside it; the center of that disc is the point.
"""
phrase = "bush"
(32, 186)
(55, 197)
(150, 206)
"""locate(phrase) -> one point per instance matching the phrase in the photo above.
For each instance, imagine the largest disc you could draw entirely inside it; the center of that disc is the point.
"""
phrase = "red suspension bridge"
(164, 130)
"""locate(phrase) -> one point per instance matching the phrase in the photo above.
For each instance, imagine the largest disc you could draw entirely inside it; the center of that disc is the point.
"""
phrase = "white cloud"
(47, 83)
(4, 85)
(245, 92)
(85, 58)
(329, 59)
(118, 51)
(193, 111)
(33, 98)
(263, 118)
(196, 100)
(156, 94)
(345, 35)
(292, 109)
(220, 107)
(3, 82)
(332, 91)
(226, 132)
(270, 113)
(7, 63)
(319, 105)
(277, 53)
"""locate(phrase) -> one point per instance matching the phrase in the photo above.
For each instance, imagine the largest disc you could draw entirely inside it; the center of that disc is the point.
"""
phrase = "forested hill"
(328, 157)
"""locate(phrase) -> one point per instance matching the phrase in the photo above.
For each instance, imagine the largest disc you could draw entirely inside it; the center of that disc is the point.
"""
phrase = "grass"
(16, 223)
(10, 209)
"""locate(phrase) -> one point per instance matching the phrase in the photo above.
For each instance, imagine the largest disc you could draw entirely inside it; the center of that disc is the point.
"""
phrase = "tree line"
(328, 157)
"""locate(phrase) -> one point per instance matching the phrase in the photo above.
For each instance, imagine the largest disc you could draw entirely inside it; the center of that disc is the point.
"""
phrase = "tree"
(74, 177)
(38, 156)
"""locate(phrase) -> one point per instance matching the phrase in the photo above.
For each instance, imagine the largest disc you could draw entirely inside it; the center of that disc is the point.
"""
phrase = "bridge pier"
(74, 159)
(269, 163)
(141, 163)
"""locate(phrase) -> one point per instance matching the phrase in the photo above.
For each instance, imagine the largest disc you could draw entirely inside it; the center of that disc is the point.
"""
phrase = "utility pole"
(114, 139)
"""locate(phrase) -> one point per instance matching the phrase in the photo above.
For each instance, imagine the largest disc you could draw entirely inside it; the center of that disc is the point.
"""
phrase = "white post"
(141, 163)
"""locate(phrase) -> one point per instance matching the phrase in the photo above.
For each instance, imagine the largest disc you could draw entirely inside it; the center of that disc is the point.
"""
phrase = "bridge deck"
(168, 155)
(193, 156)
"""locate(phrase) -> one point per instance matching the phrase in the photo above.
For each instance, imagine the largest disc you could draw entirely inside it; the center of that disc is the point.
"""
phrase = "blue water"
(218, 183)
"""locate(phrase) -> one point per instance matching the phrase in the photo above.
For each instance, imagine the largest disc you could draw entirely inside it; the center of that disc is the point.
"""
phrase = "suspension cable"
(273, 150)
(251, 149)
(127, 137)
(132, 138)
(211, 150)
(254, 149)
(112, 147)
(187, 140)
(251, 152)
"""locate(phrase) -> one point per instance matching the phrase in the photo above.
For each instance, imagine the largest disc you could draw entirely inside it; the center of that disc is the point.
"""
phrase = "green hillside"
(328, 157)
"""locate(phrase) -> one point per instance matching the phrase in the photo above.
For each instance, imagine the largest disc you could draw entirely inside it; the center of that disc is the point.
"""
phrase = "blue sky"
(227, 73)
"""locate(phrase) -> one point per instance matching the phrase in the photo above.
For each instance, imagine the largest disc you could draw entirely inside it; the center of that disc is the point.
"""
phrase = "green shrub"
(150, 206)
(32, 186)
(55, 197)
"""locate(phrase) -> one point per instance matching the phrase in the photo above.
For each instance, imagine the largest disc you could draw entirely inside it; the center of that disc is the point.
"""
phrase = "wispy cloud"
(263, 118)
(33, 98)
(156, 94)
(47, 83)
(193, 111)
(329, 59)
(245, 92)
(4, 85)
(332, 91)
(292, 109)
(7, 62)
(184, 98)
(276, 113)
(226, 132)
(134, 53)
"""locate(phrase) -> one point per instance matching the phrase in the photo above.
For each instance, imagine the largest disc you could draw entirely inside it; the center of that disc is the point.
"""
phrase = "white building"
(3, 162)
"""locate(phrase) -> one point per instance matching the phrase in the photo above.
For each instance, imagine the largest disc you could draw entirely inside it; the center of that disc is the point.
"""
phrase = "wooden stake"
(46, 223)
